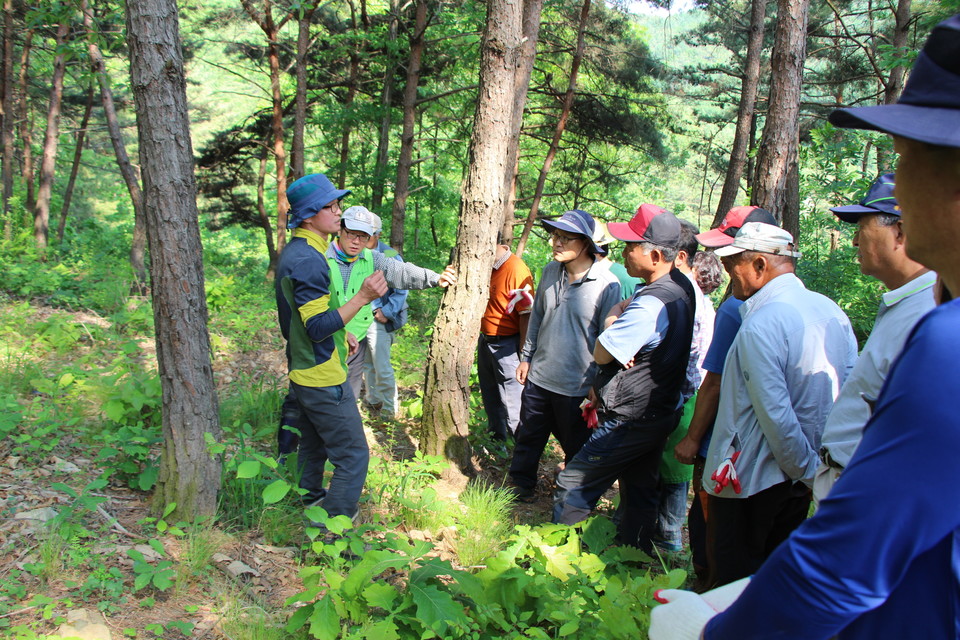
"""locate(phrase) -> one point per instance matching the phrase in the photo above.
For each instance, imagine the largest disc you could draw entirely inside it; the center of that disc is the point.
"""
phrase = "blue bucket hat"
(308, 195)
(575, 221)
(879, 199)
(929, 107)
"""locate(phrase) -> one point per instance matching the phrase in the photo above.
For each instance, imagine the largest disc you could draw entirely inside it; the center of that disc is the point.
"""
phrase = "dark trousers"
(697, 523)
(624, 450)
(497, 360)
(543, 413)
(332, 430)
(745, 531)
(287, 438)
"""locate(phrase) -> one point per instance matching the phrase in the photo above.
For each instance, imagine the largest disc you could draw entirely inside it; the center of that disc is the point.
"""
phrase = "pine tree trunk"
(80, 135)
(386, 97)
(138, 243)
(745, 112)
(297, 168)
(446, 413)
(532, 9)
(189, 475)
(558, 132)
(26, 122)
(777, 158)
(407, 138)
(48, 163)
(6, 115)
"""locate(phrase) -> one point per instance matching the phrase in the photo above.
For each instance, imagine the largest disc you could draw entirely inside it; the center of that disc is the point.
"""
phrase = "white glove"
(685, 613)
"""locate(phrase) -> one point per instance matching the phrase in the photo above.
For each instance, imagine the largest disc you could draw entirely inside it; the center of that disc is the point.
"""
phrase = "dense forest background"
(694, 109)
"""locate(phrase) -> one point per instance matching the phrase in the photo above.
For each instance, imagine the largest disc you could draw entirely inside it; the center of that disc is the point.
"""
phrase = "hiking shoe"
(521, 494)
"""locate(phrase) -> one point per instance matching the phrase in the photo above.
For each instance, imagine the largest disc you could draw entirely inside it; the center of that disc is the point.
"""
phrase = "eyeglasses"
(562, 239)
(333, 206)
(347, 234)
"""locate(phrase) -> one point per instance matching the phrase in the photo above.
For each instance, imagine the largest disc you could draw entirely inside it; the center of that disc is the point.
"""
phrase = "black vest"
(650, 389)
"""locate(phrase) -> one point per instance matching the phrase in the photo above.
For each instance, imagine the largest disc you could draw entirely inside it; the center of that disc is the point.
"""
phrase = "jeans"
(332, 430)
(624, 450)
(543, 413)
(497, 360)
(377, 370)
(672, 512)
(355, 366)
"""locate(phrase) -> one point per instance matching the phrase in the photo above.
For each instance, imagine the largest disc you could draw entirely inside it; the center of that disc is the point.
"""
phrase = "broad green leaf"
(275, 491)
(141, 581)
(162, 581)
(299, 617)
(380, 595)
(248, 469)
(148, 478)
(324, 621)
(436, 609)
(568, 628)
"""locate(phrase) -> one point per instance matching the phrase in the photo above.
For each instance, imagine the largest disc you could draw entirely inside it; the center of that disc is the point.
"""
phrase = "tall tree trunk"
(265, 222)
(6, 115)
(189, 474)
(26, 121)
(532, 9)
(447, 389)
(777, 157)
(297, 169)
(48, 163)
(745, 111)
(386, 98)
(558, 133)
(348, 126)
(272, 29)
(80, 135)
(131, 179)
(405, 162)
(894, 85)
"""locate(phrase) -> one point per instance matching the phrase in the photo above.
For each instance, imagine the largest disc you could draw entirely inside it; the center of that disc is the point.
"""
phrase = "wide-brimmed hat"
(879, 199)
(359, 218)
(762, 238)
(602, 237)
(723, 234)
(308, 195)
(575, 221)
(649, 224)
(929, 107)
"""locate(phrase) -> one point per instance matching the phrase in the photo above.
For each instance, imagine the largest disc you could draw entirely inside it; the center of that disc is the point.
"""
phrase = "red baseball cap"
(724, 234)
(649, 224)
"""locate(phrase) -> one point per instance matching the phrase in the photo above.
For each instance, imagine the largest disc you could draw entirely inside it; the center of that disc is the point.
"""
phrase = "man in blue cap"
(642, 358)
(312, 319)
(881, 245)
(881, 557)
(556, 364)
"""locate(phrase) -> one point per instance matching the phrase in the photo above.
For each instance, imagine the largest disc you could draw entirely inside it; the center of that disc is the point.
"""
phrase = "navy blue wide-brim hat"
(576, 221)
(929, 107)
(308, 195)
(879, 199)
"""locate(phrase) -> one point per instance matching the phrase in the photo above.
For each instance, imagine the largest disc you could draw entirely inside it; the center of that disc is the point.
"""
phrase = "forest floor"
(104, 541)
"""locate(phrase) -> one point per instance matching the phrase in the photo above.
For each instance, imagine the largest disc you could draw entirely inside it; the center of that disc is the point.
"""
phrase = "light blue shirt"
(639, 328)
(783, 372)
(900, 310)
(566, 319)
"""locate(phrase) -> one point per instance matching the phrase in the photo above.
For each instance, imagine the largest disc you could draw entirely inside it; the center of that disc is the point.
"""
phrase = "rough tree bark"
(445, 407)
(80, 136)
(407, 137)
(353, 83)
(558, 133)
(532, 9)
(26, 120)
(775, 186)
(48, 162)
(745, 111)
(138, 244)
(189, 474)
(297, 168)
(6, 115)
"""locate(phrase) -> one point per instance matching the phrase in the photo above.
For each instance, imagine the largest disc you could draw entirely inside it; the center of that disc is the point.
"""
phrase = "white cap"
(763, 238)
(359, 218)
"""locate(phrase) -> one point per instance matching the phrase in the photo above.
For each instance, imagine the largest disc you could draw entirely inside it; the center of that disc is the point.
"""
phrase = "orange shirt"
(512, 274)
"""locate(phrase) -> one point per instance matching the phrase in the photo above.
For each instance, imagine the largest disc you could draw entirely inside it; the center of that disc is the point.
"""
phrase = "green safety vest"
(362, 267)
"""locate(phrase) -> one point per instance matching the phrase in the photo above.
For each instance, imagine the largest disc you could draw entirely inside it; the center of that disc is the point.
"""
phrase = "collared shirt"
(393, 302)
(566, 320)
(702, 336)
(782, 374)
(900, 309)
(881, 557)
